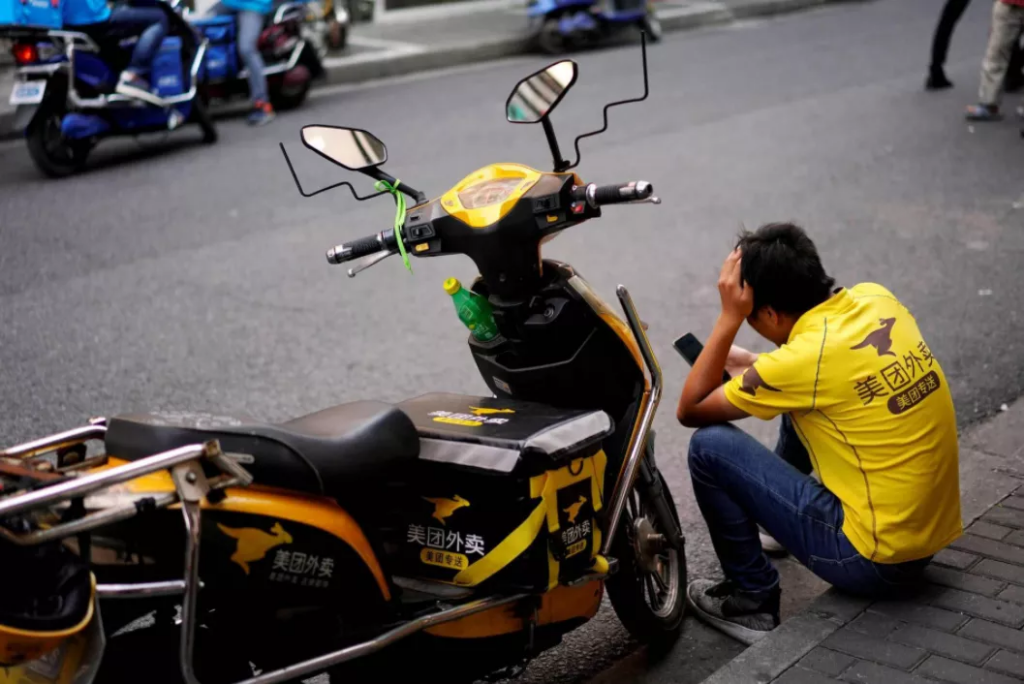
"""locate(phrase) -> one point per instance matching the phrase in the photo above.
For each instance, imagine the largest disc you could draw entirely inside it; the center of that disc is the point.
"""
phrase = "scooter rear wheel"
(53, 154)
(291, 89)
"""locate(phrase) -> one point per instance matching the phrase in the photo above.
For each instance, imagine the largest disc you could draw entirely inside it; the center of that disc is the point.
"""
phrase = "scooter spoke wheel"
(648, 592)
(658, 562)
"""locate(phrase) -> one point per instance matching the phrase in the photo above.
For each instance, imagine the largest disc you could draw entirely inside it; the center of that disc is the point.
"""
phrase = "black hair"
(782, 265)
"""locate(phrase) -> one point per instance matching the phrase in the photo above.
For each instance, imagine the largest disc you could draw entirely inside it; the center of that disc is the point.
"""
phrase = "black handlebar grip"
(597, 195)
(355, 249)
(616, 194)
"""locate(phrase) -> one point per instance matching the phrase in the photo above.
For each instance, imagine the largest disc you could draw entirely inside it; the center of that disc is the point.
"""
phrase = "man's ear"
(769, 315)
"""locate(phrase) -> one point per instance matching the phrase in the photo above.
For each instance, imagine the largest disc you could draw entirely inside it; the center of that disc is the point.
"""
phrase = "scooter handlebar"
(599, 195)
(382, 241)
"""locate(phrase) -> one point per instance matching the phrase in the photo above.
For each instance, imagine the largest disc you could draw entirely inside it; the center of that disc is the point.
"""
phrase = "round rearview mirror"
(348, 147)
(537, 96)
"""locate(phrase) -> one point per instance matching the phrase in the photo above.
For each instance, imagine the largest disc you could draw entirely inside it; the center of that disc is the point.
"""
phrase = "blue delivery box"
(21, 14)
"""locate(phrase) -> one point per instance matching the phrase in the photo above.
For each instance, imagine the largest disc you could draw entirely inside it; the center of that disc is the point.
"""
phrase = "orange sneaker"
(262, 113)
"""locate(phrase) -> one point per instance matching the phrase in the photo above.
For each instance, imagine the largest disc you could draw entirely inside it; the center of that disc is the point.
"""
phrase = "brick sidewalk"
(964, 627)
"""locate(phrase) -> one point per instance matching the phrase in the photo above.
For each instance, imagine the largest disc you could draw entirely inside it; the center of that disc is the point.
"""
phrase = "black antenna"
(329, 187)
(647, 90)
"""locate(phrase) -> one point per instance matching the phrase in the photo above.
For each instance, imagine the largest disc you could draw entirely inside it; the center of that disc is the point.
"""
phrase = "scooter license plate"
(28, 92)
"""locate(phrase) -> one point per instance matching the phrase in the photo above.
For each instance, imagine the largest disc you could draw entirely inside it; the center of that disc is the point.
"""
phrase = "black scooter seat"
(327, 452)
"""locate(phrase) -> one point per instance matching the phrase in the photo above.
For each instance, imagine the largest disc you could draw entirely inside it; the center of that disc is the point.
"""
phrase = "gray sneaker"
(722, 606)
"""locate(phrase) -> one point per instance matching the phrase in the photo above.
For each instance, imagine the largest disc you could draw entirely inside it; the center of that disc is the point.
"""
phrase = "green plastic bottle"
(473, 310)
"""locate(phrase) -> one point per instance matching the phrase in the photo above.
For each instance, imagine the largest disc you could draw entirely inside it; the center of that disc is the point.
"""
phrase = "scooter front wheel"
(648, 592)
(550, 39)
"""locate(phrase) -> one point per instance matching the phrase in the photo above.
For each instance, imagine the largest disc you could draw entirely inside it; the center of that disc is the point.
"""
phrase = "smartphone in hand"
(689, 347)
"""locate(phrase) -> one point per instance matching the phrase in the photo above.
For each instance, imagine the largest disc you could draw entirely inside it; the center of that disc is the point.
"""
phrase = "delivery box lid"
(496, 434)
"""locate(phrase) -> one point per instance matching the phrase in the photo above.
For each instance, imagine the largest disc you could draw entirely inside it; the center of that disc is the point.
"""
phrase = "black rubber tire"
(52, 154)
(549, 38)
(337, 37)
(627, 588)
(283, 102)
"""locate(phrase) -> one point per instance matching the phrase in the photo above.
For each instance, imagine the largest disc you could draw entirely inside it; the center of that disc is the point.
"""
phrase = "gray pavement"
(173, 275)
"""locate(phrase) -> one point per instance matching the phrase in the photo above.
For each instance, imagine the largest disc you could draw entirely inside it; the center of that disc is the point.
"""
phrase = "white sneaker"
(770, 545)
(134, 86)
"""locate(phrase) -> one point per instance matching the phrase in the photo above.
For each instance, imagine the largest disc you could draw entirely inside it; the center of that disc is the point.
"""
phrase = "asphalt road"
(179, 276)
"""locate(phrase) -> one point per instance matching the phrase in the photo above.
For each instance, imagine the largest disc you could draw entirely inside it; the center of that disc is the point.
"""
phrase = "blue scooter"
(561, 25)
(291, 48)
(65, 84)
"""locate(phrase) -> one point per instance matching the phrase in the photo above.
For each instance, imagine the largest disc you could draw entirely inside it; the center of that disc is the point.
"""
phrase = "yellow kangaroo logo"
(574, 509)
(444, 508)
(253, 544)
(477, 411)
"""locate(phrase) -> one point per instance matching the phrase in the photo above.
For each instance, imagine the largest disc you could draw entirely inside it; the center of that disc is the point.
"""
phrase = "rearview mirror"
(537, 96)
(348, 147)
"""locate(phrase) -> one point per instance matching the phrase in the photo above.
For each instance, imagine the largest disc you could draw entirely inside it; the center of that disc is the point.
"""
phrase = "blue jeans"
(250, 26)
(740, 484)
(151, 25)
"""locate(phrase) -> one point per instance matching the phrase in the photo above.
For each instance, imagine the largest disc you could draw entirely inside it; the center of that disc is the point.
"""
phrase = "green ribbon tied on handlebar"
(382, 186)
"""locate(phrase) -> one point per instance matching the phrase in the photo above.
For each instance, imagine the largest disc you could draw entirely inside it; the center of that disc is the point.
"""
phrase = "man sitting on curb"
(863, 400)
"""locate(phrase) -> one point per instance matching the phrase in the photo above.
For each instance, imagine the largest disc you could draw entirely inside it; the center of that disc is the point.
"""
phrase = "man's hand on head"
(737, 296)
(703, 401)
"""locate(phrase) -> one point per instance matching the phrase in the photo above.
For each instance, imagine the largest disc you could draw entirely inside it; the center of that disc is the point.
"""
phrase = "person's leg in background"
(951, 14)
(152, 26)
(1007, 21)
(250, 25)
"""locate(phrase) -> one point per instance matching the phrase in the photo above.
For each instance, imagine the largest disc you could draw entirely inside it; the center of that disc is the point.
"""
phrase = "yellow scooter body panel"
(274, 536)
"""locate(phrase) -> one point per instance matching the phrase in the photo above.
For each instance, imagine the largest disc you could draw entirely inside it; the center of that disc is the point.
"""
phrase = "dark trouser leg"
(153, 25)
(951, 14)
(739, 483)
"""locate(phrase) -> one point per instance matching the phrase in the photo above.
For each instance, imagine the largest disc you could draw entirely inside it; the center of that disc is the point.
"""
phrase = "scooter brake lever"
(369, 261)
(653, 199)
